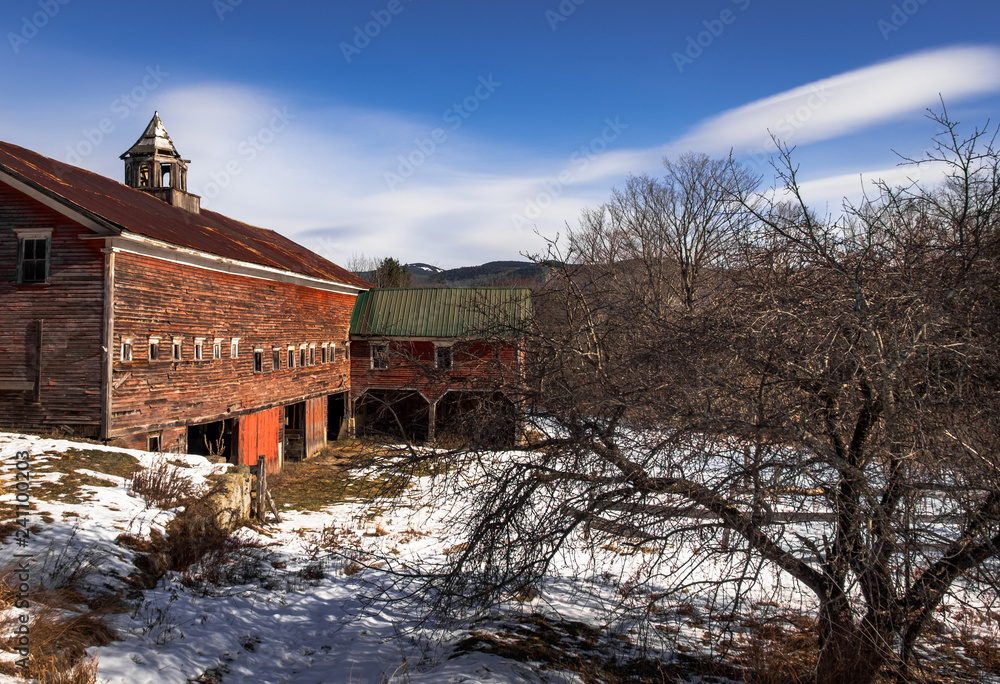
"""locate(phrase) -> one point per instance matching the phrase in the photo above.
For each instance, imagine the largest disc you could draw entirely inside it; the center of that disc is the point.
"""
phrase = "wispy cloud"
(852, 101)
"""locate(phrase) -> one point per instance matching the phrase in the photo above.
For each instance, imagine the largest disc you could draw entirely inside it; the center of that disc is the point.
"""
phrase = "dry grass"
(67, 489)
(163, 485)
(325, 480)
(63, 624)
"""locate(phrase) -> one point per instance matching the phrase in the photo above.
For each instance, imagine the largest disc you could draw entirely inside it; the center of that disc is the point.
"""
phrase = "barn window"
(199, 349)
(234, 348)
(154, 441)
(291, 357)
(302, 356)
(154, 348)
(217, 348)
(380, 356)
(126, 355)
(312, 354)
(176, 353)
(276, 358)
(443, 357)
(347, 352)
(258, 360)
(33, 247)
(333, 352)
(323, 358)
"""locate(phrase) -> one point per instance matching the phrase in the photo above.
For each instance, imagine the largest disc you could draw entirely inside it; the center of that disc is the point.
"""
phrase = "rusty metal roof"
(442, 312)
(121, 208)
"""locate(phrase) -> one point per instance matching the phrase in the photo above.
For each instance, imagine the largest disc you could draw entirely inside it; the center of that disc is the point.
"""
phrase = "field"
(328, 594)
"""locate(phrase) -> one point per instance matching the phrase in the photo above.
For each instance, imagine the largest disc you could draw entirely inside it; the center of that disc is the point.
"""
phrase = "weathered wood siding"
(260, 435)
(71, 305)
(158, 298)
(476, 365)
(315, 427)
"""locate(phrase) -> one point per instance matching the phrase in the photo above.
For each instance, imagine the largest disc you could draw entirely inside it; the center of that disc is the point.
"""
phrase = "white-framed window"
(126, 353)
(154, 442)
(276, 358)
(333, 352)
(258, 360)
(217, 348)
(199, 349)
(291, 356)
(234, 348)
(443, 357)
(323, 353)
(380, 355)
(33, 252)
(312, 354)
(302, 355)
(154, 348)
(177, 349)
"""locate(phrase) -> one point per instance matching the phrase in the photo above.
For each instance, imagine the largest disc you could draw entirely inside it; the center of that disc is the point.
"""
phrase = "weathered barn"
(438, 363)
(127, 312)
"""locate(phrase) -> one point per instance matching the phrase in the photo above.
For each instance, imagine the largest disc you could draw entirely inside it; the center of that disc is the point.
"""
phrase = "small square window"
(443, 358)
(234, 348)
(276, 358)
(154, 349)
(126, 355)
(217, 348)
(380, 356)
(258, 360)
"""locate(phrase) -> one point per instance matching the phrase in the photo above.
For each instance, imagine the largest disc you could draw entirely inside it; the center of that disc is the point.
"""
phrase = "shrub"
(162, 485)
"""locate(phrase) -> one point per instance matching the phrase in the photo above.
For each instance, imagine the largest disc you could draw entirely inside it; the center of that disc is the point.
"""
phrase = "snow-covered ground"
(308, 619)
(312, 610)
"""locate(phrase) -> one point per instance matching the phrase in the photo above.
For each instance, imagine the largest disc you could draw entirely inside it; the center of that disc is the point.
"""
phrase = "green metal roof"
(441, 312)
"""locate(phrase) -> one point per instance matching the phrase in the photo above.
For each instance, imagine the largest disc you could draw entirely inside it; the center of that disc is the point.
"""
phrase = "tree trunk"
(848, 654)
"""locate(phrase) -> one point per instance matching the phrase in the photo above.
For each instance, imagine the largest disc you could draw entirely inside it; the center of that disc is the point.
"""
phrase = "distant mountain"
(494, 273)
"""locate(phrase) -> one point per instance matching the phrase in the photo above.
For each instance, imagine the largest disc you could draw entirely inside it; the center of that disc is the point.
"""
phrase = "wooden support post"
(261, 487)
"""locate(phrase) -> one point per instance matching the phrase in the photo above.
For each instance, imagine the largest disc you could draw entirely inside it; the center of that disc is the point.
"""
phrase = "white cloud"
(847, 103)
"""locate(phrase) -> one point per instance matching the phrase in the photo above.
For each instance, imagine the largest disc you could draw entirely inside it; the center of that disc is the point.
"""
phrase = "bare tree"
(678, 225)
(827, 408)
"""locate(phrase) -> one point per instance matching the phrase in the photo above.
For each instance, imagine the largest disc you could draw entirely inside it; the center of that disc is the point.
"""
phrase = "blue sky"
(450, 132)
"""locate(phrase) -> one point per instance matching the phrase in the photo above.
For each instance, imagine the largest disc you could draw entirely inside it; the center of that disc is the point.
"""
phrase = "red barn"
(128, 313)
(434, 363)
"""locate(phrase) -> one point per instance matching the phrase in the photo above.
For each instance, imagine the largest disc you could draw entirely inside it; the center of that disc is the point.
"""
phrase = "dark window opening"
(176, 354)
(153, 442)
(275, 359)
(291, 358)
(443, 358)
(302, 357)
(154, 350)
(322, 356)
(258, 361)
(380, 356)
(312, 356)
(33, 261)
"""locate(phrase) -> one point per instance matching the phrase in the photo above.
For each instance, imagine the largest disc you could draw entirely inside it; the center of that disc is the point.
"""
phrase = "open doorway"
(215, 440)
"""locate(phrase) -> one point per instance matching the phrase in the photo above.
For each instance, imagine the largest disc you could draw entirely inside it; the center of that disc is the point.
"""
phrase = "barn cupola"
(154, 166)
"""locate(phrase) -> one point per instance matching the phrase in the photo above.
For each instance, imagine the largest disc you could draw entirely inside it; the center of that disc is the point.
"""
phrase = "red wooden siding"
(315, 425)
(72, 307)
(165, 299)
(476, 365)
(259, 435)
